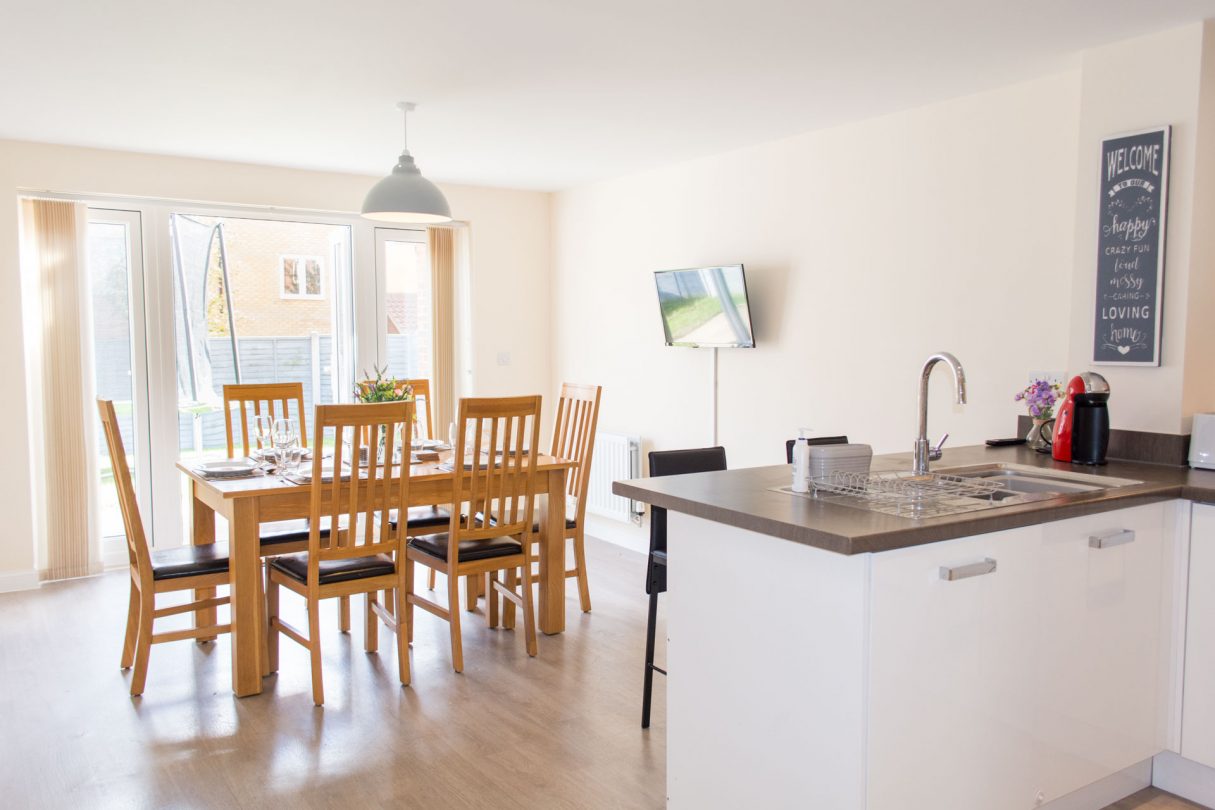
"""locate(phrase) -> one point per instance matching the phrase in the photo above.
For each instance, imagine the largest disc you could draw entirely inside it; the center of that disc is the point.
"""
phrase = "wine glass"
(285, 435)
(263, 426)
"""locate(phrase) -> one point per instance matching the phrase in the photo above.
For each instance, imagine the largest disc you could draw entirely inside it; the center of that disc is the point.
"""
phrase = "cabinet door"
(951, 689)
(1198, 697)
(1100, 669)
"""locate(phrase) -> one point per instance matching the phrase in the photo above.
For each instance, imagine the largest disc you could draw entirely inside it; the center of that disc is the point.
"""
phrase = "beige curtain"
(442, 242)
(53, 257)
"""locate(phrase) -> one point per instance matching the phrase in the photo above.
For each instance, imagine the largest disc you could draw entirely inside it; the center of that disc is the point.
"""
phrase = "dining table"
(246, 503)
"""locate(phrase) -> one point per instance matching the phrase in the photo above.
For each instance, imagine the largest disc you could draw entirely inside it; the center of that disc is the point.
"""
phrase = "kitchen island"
(827, 656)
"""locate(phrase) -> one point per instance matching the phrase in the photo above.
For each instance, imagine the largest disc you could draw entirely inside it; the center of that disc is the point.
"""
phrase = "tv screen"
(706, 306)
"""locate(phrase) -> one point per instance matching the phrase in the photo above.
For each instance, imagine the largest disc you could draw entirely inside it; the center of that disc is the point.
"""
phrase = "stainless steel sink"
(1025, 480)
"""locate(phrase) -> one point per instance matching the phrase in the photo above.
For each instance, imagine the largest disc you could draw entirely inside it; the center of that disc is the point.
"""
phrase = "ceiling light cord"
(406, 107)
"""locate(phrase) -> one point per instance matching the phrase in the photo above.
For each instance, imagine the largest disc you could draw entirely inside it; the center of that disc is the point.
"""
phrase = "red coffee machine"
(1082, 425)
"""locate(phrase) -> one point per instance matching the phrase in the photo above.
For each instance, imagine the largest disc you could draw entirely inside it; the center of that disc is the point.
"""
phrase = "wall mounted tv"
(705, 307)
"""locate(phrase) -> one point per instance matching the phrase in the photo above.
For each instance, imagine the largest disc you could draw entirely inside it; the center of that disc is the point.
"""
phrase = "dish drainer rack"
(908, 494)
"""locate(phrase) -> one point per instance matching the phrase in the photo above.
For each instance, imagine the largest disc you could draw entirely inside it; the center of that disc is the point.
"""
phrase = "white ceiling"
(520, 93)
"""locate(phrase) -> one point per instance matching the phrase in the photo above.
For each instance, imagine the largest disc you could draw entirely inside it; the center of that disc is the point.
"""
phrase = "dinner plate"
(238, 466)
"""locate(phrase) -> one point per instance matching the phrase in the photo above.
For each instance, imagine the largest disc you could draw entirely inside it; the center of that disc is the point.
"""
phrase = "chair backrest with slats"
(137, 541)
(574, 438)
(362, 504)
(421, 393)
(495, 469)
(258, 399)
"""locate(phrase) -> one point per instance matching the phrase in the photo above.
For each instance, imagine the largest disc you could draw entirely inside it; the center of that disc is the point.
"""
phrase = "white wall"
(509, 248)
(867, 248)
(1139, 84)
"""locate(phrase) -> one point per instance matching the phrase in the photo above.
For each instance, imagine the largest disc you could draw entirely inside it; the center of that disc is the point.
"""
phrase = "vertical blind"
(53, 252)
(442, 243)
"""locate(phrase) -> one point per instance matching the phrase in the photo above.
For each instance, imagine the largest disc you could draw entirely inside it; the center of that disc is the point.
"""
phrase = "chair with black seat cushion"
(248, 401)
(425, 517)
(495, 533)
(667, 462)
(818, 440)
(155, 572)
(364, 554)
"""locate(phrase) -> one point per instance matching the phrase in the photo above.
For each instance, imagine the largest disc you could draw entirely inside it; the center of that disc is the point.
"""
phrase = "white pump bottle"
(801, 463)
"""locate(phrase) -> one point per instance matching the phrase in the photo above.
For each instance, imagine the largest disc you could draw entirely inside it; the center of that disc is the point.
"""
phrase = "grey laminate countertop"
(744, 498)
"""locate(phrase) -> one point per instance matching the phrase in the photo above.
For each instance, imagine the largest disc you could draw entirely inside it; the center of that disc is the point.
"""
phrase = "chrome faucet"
(923, 453)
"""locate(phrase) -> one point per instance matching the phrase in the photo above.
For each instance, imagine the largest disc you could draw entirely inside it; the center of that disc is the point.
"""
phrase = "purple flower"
(1039, 397)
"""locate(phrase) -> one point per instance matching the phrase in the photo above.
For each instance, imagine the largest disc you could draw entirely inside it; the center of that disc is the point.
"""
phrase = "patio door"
(115, 270)
(254, 300)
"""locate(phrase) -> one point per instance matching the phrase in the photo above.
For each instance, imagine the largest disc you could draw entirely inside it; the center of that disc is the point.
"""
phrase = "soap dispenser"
(801, 463)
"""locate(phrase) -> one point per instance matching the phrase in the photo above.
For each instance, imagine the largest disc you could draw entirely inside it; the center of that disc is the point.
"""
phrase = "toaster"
(1202, 441)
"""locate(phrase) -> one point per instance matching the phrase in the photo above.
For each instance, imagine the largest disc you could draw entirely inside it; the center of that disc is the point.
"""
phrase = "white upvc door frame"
(113, 550)
(382, 236)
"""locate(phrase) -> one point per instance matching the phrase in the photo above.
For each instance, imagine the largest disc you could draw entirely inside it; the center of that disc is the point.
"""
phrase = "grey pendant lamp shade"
(405, 196)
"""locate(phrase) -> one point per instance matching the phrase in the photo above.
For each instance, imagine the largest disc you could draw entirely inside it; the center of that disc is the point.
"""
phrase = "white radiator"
(617, 457)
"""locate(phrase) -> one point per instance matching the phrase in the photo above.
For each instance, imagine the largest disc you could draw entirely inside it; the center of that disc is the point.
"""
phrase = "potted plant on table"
(1039, 397)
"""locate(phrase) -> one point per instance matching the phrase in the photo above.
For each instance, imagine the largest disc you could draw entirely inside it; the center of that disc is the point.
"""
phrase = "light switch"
(504, 358)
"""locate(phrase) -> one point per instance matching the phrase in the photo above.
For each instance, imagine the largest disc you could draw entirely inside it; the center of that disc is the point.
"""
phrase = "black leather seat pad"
(190, 561)
(436, 546)
(296, 567)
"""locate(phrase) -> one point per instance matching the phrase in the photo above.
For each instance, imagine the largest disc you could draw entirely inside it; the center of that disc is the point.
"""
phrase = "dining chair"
(156, 572)
(426, 517)
(574, 439)
(251, 400)
(364, 555)
(817, 441)
(497, 470)
(667, 462)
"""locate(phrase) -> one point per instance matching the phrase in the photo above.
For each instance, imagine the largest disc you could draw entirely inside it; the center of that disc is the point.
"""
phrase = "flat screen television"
(705, 307)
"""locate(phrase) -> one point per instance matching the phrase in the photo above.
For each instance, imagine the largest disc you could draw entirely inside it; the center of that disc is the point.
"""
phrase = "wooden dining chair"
(251, 400)
(156, 572)
(574, 439)
(425, 517)
(366, 555)
(494, 533)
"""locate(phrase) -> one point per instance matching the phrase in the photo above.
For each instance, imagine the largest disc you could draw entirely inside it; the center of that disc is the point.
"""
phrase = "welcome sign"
(1130, 248)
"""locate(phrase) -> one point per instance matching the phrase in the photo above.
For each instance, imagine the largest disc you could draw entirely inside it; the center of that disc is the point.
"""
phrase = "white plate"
(227, 467)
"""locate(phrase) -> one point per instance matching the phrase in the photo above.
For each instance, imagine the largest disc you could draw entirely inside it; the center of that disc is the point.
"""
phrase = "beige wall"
(1166, 78)
(509, 245)
(867, 248)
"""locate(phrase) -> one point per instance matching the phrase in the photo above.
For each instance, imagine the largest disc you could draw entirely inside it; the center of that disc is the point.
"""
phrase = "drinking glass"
(263, 426)
(286, 435)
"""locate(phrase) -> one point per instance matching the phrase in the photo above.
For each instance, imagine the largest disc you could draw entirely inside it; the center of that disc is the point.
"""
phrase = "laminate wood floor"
(1154, 799)
(560, 730)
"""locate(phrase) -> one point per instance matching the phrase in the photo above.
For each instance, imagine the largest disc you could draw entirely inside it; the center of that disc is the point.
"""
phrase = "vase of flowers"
(1039, 397)
(382, 389)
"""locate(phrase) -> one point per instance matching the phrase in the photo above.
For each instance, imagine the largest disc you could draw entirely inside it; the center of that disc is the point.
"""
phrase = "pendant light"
(405, 196)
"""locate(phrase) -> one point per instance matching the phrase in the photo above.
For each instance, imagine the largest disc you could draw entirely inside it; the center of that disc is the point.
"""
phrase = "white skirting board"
(1184, 777)
(18, 581)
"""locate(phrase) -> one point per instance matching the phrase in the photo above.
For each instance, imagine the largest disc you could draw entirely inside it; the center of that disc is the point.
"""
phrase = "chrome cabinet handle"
(1117, 537)
(978, 569)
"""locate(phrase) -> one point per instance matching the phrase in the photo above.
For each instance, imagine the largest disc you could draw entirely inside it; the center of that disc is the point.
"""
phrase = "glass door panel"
(115, 274)
(256, 301)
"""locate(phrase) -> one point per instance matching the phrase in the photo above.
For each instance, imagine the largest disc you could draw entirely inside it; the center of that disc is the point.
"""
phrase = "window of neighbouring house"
(302, 277)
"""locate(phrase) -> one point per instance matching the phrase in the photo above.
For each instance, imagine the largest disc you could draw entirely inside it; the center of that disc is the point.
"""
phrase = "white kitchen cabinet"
(951, 701)
(1102, 660)
(1198, 698)
(1011, 688)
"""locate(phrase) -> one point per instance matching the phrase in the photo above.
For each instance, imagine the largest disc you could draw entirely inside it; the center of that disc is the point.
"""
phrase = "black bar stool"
(667, 462)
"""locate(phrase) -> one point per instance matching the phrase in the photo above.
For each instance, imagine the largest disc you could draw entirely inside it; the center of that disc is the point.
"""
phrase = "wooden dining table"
(246, 503)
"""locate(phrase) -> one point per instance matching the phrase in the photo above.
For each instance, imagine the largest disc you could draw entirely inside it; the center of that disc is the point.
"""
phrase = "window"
(302, 277)
(409, 333)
